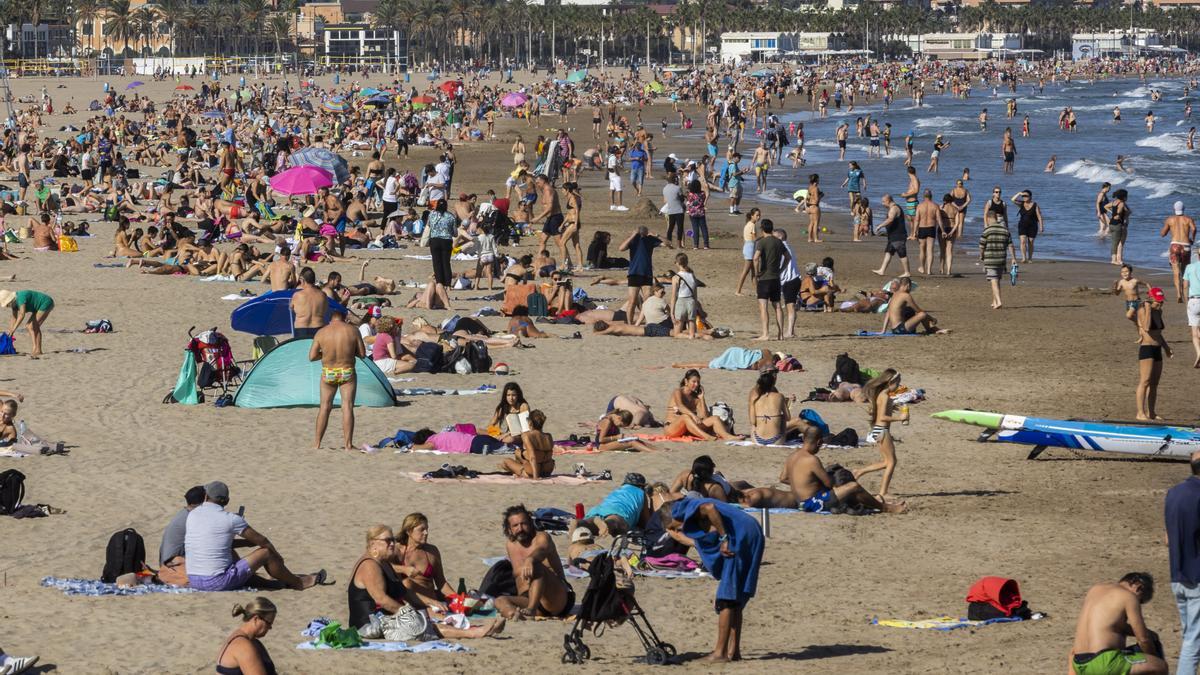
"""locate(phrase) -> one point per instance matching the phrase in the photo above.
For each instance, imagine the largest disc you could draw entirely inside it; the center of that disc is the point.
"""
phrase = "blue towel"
(383, 646)
(737, 577)
(736, 358)
(875, 333)
(95, 588)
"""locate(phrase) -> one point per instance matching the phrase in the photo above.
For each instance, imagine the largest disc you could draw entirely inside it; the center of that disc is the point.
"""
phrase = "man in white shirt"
(212, 534)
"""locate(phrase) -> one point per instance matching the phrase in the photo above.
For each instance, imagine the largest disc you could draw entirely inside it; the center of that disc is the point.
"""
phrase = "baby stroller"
(609, 601)
(214, 360)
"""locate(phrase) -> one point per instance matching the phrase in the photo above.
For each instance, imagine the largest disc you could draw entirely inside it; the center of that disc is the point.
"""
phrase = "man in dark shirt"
(770, 255)
(1182, 515)
(640, 245)
(897, 234)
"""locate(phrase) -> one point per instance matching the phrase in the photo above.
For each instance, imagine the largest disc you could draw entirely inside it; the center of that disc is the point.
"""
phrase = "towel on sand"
(877, 334)
(574, 572)
(384, 646)
(942, 623)
(501, 479)
(736, 358)
(429, 391)
(96, 588)
(795, 443)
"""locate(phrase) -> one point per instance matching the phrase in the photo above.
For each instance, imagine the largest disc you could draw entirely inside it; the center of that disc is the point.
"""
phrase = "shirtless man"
(337, 346)
(542, 589)
(842, 133)
(1008, 149)
(551, 214)
(280, 273)
(1182, 230)
(909, 196)
(1111, 612)
(813, 489)
(309, 306)
(534, 457)
(230, 163)
(356, 212)
(903, 314)
(927, 220)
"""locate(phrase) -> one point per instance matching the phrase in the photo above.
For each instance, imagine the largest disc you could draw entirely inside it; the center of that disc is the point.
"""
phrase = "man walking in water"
(1008, 147)
(1111, 612)
(1182, 230)
(337, 346)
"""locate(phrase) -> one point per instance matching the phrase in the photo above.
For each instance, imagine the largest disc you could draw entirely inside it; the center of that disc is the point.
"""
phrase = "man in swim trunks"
(928, 216)
(910, 196)
(542, 588)
(904, 316)
(1110, 613)
(897, 234)
(338, 346)
(814, 491)
(309, 306)
(1183, 231)
(551, 212)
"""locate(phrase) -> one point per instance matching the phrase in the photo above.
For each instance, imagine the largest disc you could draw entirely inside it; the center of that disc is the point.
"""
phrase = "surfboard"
(1133, 439)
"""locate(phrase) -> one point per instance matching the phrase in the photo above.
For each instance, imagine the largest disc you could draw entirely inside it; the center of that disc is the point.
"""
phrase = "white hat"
(6, 298)
(1179, 208)
(673, 156)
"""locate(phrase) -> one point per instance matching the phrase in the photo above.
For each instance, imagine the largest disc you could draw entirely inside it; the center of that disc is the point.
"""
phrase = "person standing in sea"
(1183, 231)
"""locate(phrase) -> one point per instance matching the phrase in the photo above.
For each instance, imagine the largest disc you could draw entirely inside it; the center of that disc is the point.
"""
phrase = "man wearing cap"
(1183, 231)
(338, 346)
(212, 534)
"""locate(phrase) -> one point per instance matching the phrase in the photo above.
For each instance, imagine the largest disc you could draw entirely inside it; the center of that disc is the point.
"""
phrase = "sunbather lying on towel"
(457, 442)
(737, 358)
(705, 480)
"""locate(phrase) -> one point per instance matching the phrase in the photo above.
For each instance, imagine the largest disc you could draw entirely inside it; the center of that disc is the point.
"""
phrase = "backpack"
(477, 354)
(98, 326)
(602, 601)
(499, 580)
(112, 213)
(537, 304)
(7, 346)
(845, 370)
(996, 597)
(12, 491)
(429, 358)
(126, 554)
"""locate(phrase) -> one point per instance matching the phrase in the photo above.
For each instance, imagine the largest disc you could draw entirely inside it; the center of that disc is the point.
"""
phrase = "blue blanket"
(384, 646)
(96, 588)
(736, 358)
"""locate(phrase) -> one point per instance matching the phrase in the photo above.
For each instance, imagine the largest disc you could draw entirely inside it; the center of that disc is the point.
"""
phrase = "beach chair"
(609, 601)
(263, 344)
(264, 210)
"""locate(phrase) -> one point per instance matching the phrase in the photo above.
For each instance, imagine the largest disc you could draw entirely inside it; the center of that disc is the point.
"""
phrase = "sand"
(1058, 524)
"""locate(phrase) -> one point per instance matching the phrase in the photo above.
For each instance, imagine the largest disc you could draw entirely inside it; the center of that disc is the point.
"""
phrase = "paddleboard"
(1133, 439)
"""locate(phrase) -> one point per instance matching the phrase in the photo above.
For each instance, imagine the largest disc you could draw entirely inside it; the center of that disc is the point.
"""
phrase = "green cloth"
(185, 390)
(337, 637)
(1109, 662)
(34, 301)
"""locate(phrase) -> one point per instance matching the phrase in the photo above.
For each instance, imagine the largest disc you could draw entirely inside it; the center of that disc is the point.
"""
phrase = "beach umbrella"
(761, 73)
(450, 86)
(271, 314)
(577, 76)
(368, 91)
(379, 101)
(134, 84)
(322, 158)
(513, 100)
(185, 87)
(420, 102)
(301, 180)
(335, 105)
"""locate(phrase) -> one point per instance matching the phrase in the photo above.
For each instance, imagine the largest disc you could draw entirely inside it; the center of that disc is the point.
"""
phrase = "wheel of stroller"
(583, 651)
(668, 648)
(569, 657)
(656, 656)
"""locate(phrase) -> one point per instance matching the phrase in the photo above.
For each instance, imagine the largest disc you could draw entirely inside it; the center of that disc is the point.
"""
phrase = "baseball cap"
(216, 490)
(1179, 208)
(1157, 295)
(673, 156)
(375, 311)
(581, 534)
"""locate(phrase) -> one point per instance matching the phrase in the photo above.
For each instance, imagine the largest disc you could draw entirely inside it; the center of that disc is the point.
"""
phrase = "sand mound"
(644, 209)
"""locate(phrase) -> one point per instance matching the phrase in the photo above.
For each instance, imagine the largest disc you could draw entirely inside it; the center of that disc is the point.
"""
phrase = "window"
(87, 28)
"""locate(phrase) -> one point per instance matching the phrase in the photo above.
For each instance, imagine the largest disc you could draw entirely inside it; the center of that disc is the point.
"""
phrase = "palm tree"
(254, 15)
(279, 26)
(85, 12)
(461, 10)
(119, 23)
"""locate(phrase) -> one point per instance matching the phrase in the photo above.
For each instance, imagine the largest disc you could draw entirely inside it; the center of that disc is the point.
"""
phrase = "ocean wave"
(927, 122)
(1175, 144)
(1092, 172)
(1138, 92)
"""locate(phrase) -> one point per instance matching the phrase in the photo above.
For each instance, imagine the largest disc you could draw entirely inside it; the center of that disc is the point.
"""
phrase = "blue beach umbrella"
(271, 314)
(323, 158)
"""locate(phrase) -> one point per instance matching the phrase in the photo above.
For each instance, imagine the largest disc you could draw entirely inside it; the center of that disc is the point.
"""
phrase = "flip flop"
(322, 579)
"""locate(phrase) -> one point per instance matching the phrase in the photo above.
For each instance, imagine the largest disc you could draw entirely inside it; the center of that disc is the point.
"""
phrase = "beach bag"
(112, 213)
(98, 326)
(429, 358)
(499, 580)
(516, 296)
(125, 554)
(424, 241)
(336, 637)
(536, 302)
(67, 244)
(809, 415)
(12, 491)
(995, 598)
(478, 356)
(601, 601)
(7, 347)
(845, 369)
(408, 624)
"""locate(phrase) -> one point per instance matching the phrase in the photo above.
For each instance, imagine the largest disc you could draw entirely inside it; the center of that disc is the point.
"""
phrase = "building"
(92, 40)
(959, 46)
(362, 43)
(766, 46)
(1115, 43)
(44, 40)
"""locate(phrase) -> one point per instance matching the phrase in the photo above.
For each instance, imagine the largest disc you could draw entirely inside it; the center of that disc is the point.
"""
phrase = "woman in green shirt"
(35, 306)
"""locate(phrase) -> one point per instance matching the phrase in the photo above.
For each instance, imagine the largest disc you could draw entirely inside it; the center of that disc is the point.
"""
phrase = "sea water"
(1160, 168)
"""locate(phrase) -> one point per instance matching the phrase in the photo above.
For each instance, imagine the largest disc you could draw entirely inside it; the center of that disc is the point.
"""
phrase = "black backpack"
(602, 601)
(499, 580)
(429, 358)
(845, 370)
(478, 356)
(12, 491)
(126, 553)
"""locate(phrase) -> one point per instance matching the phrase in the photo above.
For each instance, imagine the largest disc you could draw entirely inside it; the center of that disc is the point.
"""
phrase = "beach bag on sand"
(536, 302)
(6, 345)
(845, 369)
(67, 244)
(430, 358)
(994, 598)
(408, 624)
(126, 554)
(12, 491)
(499, 580)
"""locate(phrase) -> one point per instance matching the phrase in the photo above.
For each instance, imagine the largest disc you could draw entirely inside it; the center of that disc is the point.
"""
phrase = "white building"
(767, 45)
(1114, 43)
(965, 46)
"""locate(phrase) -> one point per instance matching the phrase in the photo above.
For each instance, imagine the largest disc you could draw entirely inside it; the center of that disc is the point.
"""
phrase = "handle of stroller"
(191, 330)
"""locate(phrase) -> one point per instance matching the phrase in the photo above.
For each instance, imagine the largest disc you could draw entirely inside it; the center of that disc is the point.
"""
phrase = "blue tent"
(285, 378)
(271, 314)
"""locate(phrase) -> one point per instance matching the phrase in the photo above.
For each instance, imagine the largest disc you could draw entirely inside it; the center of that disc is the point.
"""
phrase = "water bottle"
(21, 429)
(462, 587)
(1012, 274)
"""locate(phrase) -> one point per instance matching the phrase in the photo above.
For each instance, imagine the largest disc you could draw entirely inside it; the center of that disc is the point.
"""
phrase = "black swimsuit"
(268, 665)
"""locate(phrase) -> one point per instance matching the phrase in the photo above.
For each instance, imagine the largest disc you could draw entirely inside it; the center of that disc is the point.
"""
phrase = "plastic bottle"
(21, 429)
(1012, 274)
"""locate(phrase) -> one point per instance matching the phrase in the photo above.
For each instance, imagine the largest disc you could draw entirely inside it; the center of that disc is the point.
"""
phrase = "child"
(608, 434)
(1128, 285)
(486, 267)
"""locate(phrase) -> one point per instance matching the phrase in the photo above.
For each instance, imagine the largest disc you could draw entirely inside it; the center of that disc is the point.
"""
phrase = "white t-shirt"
(687, 285)
(365, 330)
(390, 188)
(789, 271)
(209, 541)
(654, 309)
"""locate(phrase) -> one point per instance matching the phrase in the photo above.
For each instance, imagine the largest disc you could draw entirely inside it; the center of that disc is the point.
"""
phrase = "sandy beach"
(1060, 348)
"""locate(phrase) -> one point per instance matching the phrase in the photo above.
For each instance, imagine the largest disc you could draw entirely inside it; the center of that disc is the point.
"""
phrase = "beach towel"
(736, 358)
(96, 588)
(737, 576)
(878, 334)
(218, 277)
(384, 646)
(574, 572)
(501, 479)
(941, 623)
(185, 390)
(430, 391)
(659, 438)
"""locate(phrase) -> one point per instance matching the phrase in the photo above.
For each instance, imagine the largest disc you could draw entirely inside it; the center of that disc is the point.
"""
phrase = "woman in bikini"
(768, 410)
(420, 563)
(879, 392)
(812, 205)
(609, 438)
(689, 415)
(242, 651)
(570, 235)
(1151, 346)
(518, 271)
(703, 478)
(512, 402)
(122, 243)
(962, 200)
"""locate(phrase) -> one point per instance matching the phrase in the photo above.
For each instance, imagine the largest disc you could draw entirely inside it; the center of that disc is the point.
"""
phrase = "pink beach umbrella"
(513, 100)
(301, 180)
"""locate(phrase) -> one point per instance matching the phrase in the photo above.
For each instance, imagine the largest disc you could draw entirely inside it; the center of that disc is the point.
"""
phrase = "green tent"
(285, 378)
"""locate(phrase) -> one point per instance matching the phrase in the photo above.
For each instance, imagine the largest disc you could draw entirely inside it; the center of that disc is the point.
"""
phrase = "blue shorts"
(637, 175)
(819, 502)
(233, 578)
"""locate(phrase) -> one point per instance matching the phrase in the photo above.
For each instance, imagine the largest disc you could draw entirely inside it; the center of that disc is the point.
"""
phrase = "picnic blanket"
(942, 623)
(794, 443)
(501, 479)
(659, 438)
(96, 588)
(385, 646)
